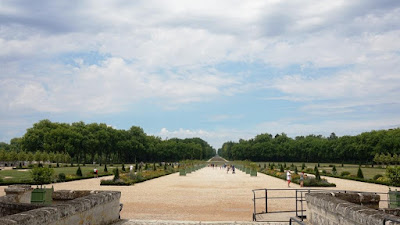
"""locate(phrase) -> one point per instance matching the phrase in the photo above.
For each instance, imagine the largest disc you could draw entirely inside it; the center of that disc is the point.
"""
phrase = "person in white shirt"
(288, 178)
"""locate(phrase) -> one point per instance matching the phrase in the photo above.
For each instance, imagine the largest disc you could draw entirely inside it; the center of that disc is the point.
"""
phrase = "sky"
(218, 70)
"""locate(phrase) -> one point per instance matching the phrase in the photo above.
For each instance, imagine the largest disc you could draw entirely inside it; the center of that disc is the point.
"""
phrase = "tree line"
(87, 143)
(361, 148)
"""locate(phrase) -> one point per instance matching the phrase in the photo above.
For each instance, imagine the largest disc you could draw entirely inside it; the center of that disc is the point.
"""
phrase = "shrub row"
(308, 181)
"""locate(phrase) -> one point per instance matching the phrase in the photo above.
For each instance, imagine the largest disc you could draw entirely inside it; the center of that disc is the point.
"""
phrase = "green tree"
(334, 171)
(360, 173)
(393, 173)
(79, 172)
(42, 175)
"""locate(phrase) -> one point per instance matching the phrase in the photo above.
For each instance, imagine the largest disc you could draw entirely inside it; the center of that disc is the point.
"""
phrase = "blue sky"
(219, 70)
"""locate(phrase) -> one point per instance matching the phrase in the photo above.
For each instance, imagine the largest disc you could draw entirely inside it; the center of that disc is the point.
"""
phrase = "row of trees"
(312, 148)
(104, 144)
(13, 156)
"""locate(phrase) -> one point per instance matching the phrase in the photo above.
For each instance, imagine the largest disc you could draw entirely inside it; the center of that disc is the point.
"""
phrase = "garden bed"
(308, 181)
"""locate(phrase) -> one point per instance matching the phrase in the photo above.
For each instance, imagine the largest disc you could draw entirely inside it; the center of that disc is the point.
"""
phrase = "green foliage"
(123, 167)
(344, 173)
(295, 170)
(360, 173)
(105, 168)
(377, 176)
(116, 174)
(393, 173)
(316, 148)
(42, 175)
(88, 143)
(303, 165)
(281, 169)
(154, 167)
(317, 175)
(79, 172)
(61, 177)
(334, 171)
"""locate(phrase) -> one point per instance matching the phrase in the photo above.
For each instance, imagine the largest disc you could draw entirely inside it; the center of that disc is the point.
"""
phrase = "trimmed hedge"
(308, 182)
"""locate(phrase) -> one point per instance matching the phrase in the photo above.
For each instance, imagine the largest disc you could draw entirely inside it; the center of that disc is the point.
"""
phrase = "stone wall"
(70, 207)
(326, 209)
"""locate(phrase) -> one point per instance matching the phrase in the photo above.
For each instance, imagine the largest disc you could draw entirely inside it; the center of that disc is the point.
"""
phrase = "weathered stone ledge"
(325, 208)
(95, 207)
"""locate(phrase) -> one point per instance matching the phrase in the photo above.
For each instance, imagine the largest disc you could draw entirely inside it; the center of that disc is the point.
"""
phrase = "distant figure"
(96, 173)
(301, 179)
(130, 168)
(227, 170)
(233, 169)
(288, 178)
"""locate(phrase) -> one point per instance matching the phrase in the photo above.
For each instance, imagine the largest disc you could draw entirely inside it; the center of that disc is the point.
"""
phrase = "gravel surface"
(205, 195)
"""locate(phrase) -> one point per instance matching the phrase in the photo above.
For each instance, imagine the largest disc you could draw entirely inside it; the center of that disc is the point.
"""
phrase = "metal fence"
(292, 203)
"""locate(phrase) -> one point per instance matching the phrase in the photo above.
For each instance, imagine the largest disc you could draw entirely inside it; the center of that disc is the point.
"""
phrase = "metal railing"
(294, 219)
(297, 206)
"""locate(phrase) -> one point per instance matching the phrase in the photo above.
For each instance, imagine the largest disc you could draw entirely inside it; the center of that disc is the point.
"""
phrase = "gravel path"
(205, 195)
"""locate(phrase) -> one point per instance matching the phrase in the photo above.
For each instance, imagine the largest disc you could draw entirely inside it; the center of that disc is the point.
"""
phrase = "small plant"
(344, 173)
(319, 165)
(265, 165)
(334, 171)
(116, 174)
(303, 165)
(284, 165)
(377, 176)
(58, 165)
(154, 167)
(295, 170)
(281, 169)
(136, 167)
(79, 172)
(105, 168)
(360, 173)
(123, 167)
(42, 175)
(317, 176)
(145, 166)
(61, 177)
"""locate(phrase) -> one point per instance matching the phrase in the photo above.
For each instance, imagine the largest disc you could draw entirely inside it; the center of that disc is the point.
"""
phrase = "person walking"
(96, 173)
(288, 178)
(301, 179)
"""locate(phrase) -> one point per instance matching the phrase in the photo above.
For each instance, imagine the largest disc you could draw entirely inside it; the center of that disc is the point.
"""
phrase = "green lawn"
(24, 174)
(368, 172)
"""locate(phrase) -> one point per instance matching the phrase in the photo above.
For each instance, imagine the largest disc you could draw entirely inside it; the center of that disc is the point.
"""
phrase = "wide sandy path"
(205, 195)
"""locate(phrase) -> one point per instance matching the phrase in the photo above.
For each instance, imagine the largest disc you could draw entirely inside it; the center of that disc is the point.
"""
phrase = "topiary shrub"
(303, 166)
(105, 168)
(61, 177)
(116, 174)
(360, 173)
(123, 167)
(79, 172)
(281, 169)
(317, 176)
(42, 175)
(334, 171)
